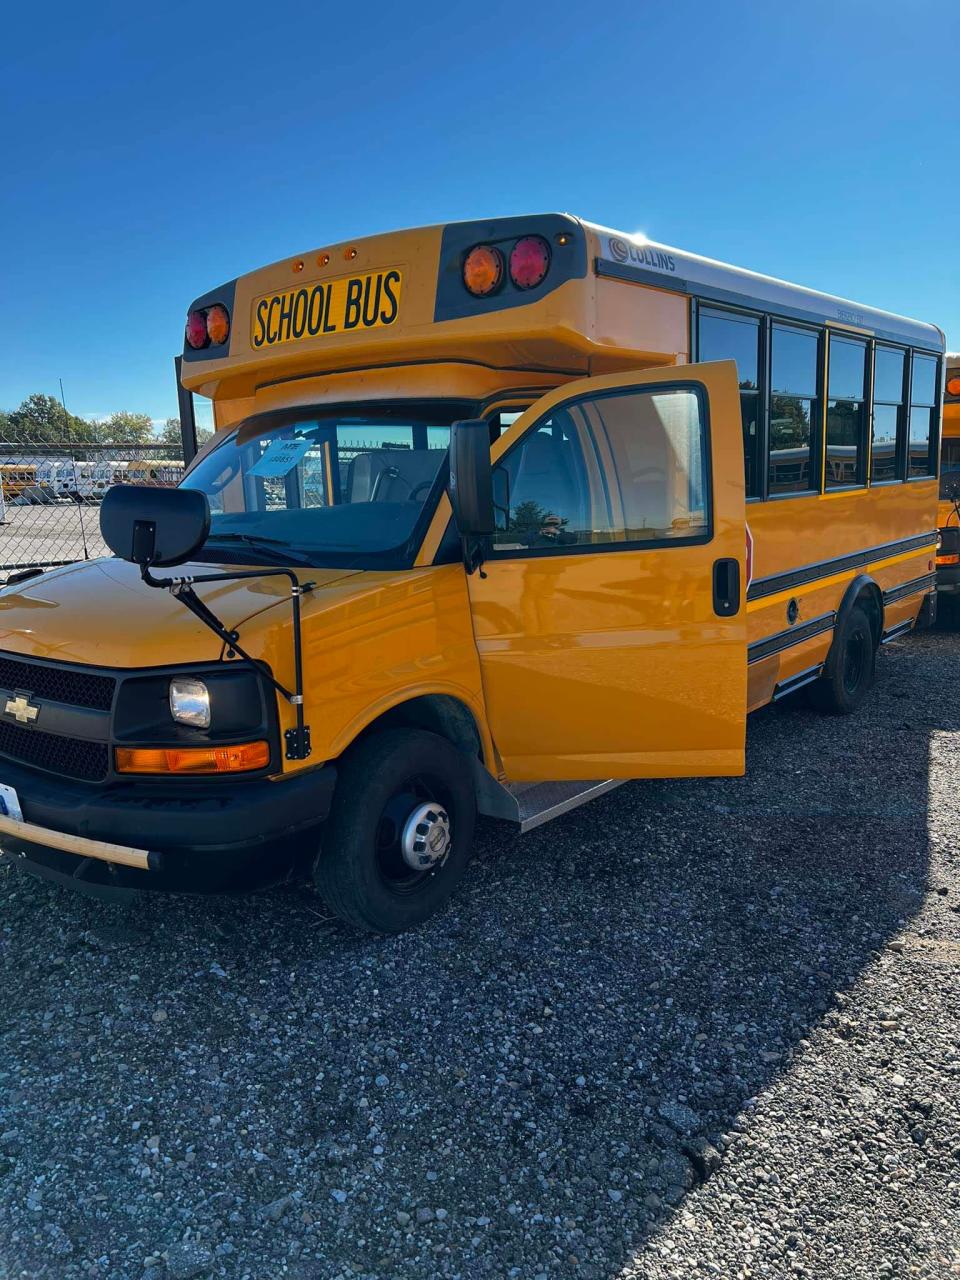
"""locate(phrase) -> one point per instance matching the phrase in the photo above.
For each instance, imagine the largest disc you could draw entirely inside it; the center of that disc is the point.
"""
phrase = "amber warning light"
(208, 326)
(483, 270)
(234, 759)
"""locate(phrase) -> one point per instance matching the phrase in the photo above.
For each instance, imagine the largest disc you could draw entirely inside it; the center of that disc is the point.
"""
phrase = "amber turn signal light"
(218, 325)
(483, 270)
(953, 386)
(236, 759)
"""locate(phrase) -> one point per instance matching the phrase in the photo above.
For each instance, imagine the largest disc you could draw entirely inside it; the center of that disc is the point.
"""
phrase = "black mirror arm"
(298, 739)
(474, 555)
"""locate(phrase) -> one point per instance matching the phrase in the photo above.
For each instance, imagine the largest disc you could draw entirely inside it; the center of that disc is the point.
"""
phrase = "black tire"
(850, 667)
(360, 870)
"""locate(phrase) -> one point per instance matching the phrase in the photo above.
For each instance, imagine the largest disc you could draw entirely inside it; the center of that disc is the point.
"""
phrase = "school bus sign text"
(349, 303)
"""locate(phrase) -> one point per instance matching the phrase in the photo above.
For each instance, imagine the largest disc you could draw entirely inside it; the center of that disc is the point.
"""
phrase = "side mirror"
(471, 482)
(154, 526)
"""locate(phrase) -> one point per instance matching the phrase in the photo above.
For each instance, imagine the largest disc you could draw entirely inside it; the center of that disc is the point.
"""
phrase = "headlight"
(190, 702)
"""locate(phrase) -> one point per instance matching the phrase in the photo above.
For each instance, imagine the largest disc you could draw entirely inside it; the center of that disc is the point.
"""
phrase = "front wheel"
(850, 667)
(400, 830)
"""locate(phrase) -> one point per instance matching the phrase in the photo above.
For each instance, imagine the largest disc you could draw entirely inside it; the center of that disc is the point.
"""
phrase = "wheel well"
(437, 713)
(864, 593)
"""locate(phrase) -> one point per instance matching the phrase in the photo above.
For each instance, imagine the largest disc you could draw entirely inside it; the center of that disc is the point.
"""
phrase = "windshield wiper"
(270, 546)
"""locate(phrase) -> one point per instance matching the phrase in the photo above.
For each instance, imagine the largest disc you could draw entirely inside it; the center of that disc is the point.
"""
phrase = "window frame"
(817, 414)
(643, 544)
(697, 305)
(865, 443)
(903, 421)
(936, 424)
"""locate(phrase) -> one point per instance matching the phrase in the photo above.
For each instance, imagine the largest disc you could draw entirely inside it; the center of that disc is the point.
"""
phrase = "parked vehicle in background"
(18, 479)
(948, 511)
(497, 515)
(154, 471)
(87, 479)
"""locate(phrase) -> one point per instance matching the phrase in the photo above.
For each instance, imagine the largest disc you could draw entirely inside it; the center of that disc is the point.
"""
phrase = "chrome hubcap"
(426, 837)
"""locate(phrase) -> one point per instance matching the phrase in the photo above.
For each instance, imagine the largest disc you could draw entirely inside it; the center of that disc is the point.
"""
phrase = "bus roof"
(644, 261)
(399, 299)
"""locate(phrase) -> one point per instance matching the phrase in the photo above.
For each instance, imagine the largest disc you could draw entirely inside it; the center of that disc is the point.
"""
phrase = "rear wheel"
(400, 830)
(850, 667)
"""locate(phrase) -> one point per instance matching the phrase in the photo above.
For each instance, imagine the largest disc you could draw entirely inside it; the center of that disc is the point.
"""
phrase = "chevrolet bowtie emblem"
(21, 708)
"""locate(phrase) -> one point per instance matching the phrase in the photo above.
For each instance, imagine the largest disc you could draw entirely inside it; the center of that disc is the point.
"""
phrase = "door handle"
(726, 588)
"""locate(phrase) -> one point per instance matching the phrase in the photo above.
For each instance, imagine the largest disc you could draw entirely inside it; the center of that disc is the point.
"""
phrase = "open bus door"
(610, 617)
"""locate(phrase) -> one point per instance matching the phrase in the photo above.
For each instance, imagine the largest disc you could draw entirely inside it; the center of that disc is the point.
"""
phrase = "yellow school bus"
(948, 511)
(162, 471)
(18, 479)
(497, 515)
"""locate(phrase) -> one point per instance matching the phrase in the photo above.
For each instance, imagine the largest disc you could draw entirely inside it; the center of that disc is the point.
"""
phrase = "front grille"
(59, 684)
(70, 757)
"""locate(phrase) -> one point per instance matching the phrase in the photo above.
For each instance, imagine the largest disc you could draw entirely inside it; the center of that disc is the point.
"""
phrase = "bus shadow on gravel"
(540, 1079)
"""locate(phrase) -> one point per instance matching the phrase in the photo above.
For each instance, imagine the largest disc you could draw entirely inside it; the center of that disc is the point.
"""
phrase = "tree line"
(43, 420)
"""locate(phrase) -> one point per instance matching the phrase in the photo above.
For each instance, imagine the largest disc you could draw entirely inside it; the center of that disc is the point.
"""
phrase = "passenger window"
(846, 413)
(793, 409)
(728, 335)
(623, 468)
(888, 420)
(923, 399)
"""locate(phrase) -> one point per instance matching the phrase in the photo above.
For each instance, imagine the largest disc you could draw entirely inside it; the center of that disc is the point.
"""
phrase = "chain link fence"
(50, 496)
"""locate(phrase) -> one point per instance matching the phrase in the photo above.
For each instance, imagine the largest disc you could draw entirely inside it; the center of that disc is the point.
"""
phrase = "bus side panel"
(804, 533)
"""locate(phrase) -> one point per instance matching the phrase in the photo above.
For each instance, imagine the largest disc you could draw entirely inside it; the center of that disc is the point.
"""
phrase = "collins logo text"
(641, 255)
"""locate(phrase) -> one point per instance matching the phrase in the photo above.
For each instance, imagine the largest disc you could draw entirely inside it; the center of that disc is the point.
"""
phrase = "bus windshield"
(349, 486)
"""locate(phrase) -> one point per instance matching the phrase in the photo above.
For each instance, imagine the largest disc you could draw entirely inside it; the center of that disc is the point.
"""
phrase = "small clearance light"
(953, 386)
(190, 702)
(298, 265)
(323, 260)
(483, 270)
(350, 254)
(197, 336)
(218, 325)
(236, 759)
(529, 262)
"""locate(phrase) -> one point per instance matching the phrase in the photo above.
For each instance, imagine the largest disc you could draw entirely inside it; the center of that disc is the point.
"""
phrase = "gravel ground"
(694, 1029)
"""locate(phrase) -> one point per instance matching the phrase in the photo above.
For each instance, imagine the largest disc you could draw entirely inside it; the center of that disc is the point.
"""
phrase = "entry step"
(538, 802)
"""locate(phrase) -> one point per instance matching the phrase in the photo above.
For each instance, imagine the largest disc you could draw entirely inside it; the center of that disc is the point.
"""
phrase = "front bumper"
(207, 837)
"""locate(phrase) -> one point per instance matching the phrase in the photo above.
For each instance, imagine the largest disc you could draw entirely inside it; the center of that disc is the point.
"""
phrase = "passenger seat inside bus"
(391, 475)
(545, 477)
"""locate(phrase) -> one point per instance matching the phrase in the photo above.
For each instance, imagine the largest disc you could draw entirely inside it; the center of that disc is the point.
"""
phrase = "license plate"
(10, 803)
(349, 304)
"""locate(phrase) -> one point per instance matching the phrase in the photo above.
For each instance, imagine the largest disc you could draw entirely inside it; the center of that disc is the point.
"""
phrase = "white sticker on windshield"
(282, 456)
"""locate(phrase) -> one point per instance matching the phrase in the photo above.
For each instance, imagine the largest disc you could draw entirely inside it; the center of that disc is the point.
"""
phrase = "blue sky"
(152, 151)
